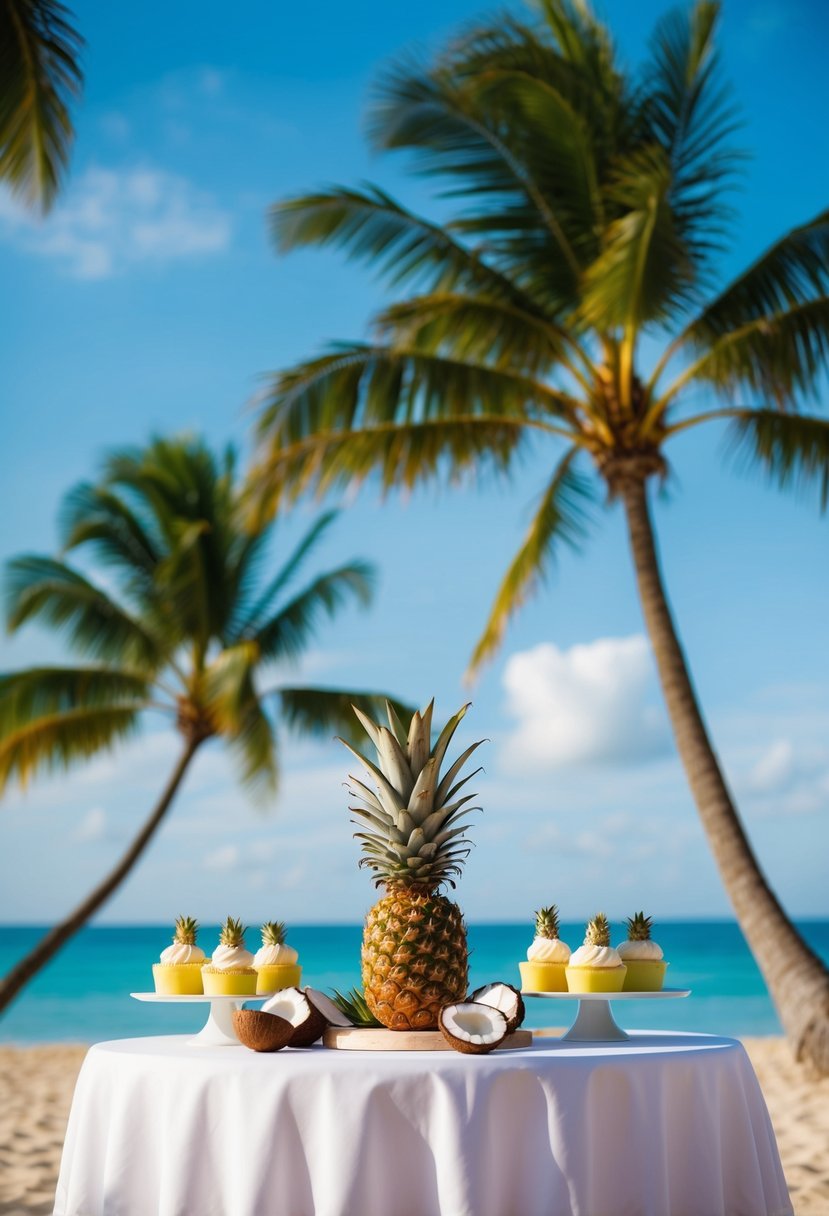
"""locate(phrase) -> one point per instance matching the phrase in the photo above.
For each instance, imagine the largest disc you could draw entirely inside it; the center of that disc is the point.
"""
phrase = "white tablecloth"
(663, 1125)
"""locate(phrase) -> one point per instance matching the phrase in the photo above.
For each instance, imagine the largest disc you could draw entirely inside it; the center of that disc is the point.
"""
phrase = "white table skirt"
(662, 1125)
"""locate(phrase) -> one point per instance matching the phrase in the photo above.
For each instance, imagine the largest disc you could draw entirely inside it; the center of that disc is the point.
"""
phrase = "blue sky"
(151, 301)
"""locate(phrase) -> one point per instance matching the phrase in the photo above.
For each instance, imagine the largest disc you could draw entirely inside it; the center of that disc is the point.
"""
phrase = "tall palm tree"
(191, 634)
(586, 210)
(40, 76)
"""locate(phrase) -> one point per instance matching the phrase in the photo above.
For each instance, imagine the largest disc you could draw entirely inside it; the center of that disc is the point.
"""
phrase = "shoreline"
(37, 1082)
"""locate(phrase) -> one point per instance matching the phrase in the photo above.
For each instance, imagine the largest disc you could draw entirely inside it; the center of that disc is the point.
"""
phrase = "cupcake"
(275, 962)
(642, 957)
(178, 973)
(230, 971)
(547, 956)
(596, 966)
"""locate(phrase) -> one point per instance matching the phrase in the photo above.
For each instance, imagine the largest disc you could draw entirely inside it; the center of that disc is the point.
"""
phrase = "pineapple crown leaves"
(639, 927)
(412, 816)
(598, 931)
(232, 933)
(273, 933)
(186, 929)
(546, 922)
(355, 1007)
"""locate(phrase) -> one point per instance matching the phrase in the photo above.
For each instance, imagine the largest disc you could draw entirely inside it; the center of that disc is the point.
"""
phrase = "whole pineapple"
(414, 955)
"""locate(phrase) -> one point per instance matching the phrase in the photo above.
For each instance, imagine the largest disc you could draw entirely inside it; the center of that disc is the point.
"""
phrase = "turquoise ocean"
(82, 996)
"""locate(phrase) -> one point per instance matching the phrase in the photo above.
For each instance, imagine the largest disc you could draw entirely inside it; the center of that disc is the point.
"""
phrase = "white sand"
(36, 1086)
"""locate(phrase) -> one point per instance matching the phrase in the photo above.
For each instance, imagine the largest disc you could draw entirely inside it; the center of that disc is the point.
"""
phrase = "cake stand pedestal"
(218, 1029)
(594, 1021)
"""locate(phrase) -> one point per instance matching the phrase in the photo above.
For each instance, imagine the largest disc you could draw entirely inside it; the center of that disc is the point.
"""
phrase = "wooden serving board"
(370, 1038)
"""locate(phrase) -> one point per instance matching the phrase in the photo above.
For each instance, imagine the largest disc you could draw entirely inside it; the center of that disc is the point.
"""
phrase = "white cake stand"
(218, 1029)
(594, 1022)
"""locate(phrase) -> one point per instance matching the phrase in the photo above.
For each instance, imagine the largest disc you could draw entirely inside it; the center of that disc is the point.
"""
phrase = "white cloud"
(224, 858)
(93, 826)
(585, 704)
(774, 769)
(112, 220)
(788, 778)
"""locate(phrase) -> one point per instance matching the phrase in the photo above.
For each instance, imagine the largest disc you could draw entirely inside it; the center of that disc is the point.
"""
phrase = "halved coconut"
(472, 1028)
(503, 997)
(326, 1008)
(294, 1007)
(261, 1031)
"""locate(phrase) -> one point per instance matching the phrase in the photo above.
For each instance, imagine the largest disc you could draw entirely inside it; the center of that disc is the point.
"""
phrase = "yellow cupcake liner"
(543, 977)
(178, 979)
(228, 983)
(644, 975)
(596, 979)
(272, 976)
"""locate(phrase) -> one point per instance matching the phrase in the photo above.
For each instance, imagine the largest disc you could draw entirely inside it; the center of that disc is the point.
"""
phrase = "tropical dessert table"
(656, 1125)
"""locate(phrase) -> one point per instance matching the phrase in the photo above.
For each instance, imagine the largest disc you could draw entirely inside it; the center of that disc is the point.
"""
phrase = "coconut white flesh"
(289, 1004)
(475, 1023)
(503, 998)
(324, 1005)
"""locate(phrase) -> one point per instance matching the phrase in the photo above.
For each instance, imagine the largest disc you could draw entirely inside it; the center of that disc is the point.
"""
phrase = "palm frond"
(688, 112)
(41, 77)
(41, 692)
(326, 711)
(287, 633)
(644, 272)
(782, 357)
(53, 742)
(561, 519)
(369, 224)
(253, 746)
(792, 449)
(46, 590)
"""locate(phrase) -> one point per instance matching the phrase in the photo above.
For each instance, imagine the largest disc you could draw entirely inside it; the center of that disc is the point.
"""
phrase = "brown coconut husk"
(261, 1031)
(466, 1046)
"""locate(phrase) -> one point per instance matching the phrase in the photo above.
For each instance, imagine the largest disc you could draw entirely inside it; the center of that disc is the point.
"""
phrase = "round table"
(660, 1125)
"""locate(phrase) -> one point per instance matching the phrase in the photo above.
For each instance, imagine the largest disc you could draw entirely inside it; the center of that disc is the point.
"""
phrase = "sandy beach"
(36, 1086)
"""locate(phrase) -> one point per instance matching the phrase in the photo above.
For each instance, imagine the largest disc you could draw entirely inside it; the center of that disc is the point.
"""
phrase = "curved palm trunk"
(797, 979)
(49, 945)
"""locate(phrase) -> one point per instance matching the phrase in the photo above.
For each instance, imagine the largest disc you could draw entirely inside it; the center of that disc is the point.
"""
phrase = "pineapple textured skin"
(415, 958)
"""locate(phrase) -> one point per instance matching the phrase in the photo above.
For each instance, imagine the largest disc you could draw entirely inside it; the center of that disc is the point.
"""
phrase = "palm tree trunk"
(796, 978)
(49, 945)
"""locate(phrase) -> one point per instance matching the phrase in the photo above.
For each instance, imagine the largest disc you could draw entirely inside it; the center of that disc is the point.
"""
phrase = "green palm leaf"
(287, 633)
(327, 711)
(52, 742)
(39, 79)
(561, 519)
(46, 590)
(39, 692)
(792, 449)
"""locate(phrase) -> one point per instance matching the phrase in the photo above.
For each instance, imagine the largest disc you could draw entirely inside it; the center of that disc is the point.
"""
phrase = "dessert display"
(275, 962)
(230, 971)
(414, 953)
(642, 957)
(547, 956)
(596, 966)
(178, 972)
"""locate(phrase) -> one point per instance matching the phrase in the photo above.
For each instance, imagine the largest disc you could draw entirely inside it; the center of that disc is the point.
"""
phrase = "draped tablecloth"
(661, 1125)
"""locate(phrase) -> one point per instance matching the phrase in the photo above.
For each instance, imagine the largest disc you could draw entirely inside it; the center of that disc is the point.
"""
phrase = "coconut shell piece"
(472, 1028)
(505, 998)
(327, 1009)
(307, 1021)
(261, 1031)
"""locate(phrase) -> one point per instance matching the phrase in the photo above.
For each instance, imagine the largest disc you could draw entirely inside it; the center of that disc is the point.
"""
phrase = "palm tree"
(39, 78)
(585, 211)
(190, 635)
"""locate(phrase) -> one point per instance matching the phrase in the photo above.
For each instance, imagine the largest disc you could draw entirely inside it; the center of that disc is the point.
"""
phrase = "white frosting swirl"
(548, 950)
(589, 955)
(645, 952)
(274, 956)
(231, 958)
(180, 952)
